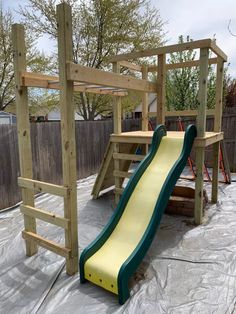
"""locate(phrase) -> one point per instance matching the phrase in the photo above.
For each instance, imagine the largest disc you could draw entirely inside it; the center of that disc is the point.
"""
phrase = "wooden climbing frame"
(74, 77)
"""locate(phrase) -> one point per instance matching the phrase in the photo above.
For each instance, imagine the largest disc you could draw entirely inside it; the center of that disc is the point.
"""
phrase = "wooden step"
(45, 216)
(40, 186)
(47, 244)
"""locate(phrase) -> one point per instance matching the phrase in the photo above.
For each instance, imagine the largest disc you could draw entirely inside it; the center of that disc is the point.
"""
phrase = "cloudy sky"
(199, 19)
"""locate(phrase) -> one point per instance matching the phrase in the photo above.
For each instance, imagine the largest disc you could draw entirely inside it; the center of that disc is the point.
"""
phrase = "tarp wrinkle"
(187, 269)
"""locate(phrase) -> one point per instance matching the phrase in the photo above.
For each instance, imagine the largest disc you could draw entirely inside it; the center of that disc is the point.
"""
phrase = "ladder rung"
(119, 190)
(122, 174)
(47, 244)
(40, 186)
(45, 216)
(128, 156)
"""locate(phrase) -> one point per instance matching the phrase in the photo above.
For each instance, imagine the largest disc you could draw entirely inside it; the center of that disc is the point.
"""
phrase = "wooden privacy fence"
(91, 141)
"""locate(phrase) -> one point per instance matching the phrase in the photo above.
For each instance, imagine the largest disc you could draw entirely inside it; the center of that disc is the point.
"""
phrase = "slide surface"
(116, 253)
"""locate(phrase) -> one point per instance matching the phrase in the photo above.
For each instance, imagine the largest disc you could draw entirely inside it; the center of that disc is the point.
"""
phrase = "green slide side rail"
(131, 264)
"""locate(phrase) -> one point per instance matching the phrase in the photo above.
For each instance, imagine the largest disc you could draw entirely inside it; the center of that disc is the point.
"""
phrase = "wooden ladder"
(29, 186)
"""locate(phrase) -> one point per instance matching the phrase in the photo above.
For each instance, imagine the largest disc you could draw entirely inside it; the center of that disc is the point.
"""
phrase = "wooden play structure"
(122, 146)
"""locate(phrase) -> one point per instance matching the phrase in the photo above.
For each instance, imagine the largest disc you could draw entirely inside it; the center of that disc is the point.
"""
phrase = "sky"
(198, 19)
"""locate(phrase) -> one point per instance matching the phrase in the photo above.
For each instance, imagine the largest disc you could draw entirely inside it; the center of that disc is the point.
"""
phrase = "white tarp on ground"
(187, 269)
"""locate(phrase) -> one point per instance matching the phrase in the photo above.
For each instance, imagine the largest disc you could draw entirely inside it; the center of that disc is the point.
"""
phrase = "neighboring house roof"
(152, 104)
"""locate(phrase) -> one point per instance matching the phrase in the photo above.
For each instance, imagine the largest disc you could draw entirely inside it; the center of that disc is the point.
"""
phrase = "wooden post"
(201, 128)
(161, 87)
(117, 105)
(217, 128)
(117, 130)
(23, 128)
(65, 54)
(145, 101)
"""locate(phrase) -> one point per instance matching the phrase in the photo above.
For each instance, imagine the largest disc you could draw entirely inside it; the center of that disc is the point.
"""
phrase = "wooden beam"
(45, 216)
(131, 66)
(217, 128)
(122, 156)
(186, 113)
(218, 51)
(206, 141)
(117, 129)
(122, 174)
(47, 244)
(119, 191)
(219, 94)
(23, 128)
(161, 94)
(186, 64)
(201, 128)
(30, 79)
(65, 53)
(117, 125)
(79, 73)
(39, 186)
(203, 43)
(145, 102)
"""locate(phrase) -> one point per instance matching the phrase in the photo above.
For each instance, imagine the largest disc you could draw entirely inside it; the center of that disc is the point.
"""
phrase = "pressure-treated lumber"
(117, 128)
(217, 128)
(40, 186)
(68, 133)
(105, 178)
(123, 156)
(201, 128)
(218, 51)
(178, 65)
(45, 216)
(141, 137)
(122, 174)
(183, 113)
(23, 129)
(203, 43)
(131, 66)
(30, 79)
(47, 244)
(79, 73)
(144, 102)
(161, 85)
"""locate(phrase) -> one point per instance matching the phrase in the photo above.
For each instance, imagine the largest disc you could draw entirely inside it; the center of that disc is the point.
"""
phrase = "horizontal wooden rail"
(79, 73)
(183, 113)
(203, 43)
(30, 79)
(40, 186)
(218, 51)
(122, 174)
(45, 216)
(47, 244)
(186, 64)
(123, 156)
(131, 66)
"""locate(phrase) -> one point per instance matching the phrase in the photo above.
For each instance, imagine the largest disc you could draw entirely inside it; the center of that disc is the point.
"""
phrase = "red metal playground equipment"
(223, 160)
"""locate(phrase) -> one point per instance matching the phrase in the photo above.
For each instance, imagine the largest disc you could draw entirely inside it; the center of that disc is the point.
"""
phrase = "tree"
(6, 67)
(231, 94)
(36, 61)
(182, 84)
(101, 28)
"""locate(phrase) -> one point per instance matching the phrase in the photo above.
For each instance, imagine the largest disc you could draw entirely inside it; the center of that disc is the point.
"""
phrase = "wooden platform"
(145, 137)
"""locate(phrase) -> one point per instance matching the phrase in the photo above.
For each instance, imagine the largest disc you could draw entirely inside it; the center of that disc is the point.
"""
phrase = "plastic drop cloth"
(187, 269)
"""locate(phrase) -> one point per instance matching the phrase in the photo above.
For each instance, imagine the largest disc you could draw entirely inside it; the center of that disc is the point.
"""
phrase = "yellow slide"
(113, 257)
